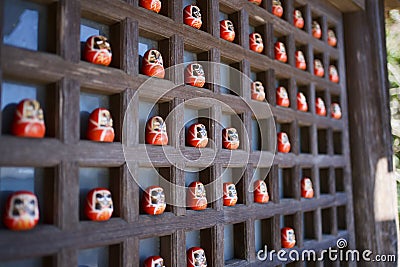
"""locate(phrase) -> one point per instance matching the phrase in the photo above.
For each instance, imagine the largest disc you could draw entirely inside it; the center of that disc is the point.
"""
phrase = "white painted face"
(31, 111)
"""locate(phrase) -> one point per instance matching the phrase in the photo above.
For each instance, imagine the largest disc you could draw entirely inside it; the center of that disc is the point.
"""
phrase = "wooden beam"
(348, 5)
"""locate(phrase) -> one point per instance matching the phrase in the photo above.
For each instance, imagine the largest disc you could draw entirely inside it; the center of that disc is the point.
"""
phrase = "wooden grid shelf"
(320, 145)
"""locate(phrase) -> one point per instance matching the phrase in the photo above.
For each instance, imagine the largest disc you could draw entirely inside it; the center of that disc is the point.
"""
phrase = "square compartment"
(305, 89)
(193, 115)
(309, 225)
(13, 92)
(202, 238)
(226, 12)
(235, 176)
(324, 181)
(279, 37)
(203, 175)
(282, 81)
(230, 78)
(287, 181)
(235, 121)
(286, 128)
(89, 101)
(148, 110)
(320, 55)
(155, 176)
(290, 221)
(303, 10)
(304, 48)
(234, 242)
(327, 219)
(341, 218)
(339, 180)
(204, 13)
(263, 234)
(322, 141)
(29, 25)
(304, 139)
(90, 178)
(337, 143)
(258, 26)
(39, 181)
(99, 256)
(266, 175)
(156, 246)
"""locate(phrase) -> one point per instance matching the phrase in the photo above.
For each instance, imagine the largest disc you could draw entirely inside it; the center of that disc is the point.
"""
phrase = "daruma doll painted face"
(332, 41)
(282, 98)
(301, 102)
(230, 138)
(98, 50)
(318, 68)
(226, 30)
(336, 111)
(28, 120)
(153, 5)
(196, 257)
(320, 107)
(152, 64)
(230, 194)
(194, 75)
(153, 200)
(156, 132)
(300, 60)
(99, 204)
(280, 52)
(154, 261)
(100, 126)
(192, 16)
(298, 20)
(316, 30)
(333, 74)
(255, 42)
(260, 192)
(257, 91)
(22, 211)
(197, 135)
(196, 196)
(288, 238)
(277, 8)
(283, 143)
(307, 190)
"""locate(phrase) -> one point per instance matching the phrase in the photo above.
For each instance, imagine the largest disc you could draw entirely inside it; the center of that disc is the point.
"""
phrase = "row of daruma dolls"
(22, 207)
(192, 17)
(196, 257)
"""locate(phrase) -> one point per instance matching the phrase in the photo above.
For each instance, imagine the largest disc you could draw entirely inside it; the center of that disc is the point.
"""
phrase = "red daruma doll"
(22, 211)
(256, 2)
(196, 257)
(302, 102)
(192, 16)
(260, 192)
(28, 120)
(154, 261)
(153, 200)
(100, 126)
(156, 132)
(280, 52)
(318, 68)
(277, 8)
(288, 238)
(255, 42)
(230, 138)
(333, 74)
(226, 30)
(307, 190)
(298, 20)
(282, 98)
(230, 194)
(257, 91)
(197, 135)
(196, 196)
(152, 64)
(153, 5)
(332, 41)
(320, 107)
(99, 204)
(194, 75)
(300, 60)
(316, 30)
(98, 50)
(336, 111)
(283, 143)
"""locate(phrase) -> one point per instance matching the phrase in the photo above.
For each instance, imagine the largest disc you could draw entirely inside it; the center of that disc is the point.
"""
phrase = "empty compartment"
(234, 243)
